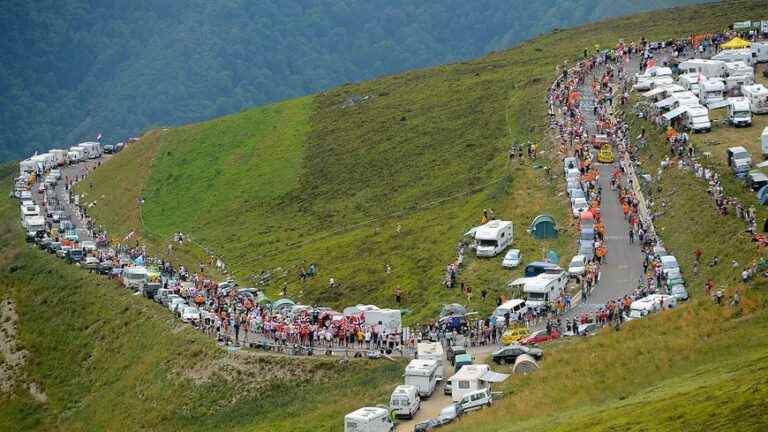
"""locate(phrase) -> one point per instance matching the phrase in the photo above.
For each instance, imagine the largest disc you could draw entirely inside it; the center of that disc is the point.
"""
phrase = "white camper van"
(405, 401)
(60, 156)
(27, 167)
(493, 237)
(739, 68)
(514, 307)
(711, 91)
(468, 379)
(708, 68)
(759, 51)
(432, 351)
(34, 224)
(689, 82)
(546, 287)
(733, 84)
(135, 277)
(368, 419)
(696, 118)
(739, 113)
(76, 154)
(758, 97)
(92, 150)
(733, 55)
(422, 374)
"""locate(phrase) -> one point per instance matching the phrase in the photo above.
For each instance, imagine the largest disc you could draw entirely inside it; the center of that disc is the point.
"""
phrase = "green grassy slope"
(110, 361)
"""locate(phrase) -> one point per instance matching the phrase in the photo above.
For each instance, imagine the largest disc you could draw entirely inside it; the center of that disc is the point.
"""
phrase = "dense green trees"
(72, 68)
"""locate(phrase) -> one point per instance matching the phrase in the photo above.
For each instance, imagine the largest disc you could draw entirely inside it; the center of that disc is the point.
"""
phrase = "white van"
(422, 374)
(493, 237)
(514, 307)
(476, 399)
(135, 277)
(60, 155)
(758, 97)
(76, 154)
(368, 419)
(404, 401)
(739, 113)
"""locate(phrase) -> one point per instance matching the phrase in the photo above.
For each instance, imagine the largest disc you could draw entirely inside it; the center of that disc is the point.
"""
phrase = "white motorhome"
(733, 84)
(91, 149)
(27, 167)
(422, 374)
(759, 51)
(29, 210)
(733, 55)
(432, 351)
(34, 224)
(493, 237)
(696, 118)
(708, 68)
(405, 401)
(388, 319)
(468, 379)
(42, 162)
(739, 113)
(546, 287)
(654, 72)
(368, 419)
(60, 156)
(76, 154)
(689, 82)
(650, 304)
(758, 97)
(135, 277)
(711, 91)
(739, 68)
(651, 83)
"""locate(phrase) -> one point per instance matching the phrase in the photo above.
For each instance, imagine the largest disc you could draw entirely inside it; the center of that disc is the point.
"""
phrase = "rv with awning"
(734, 55)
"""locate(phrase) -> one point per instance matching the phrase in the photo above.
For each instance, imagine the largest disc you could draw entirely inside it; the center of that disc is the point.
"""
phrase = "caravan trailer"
(422, 374)
(92, 150)
(76, 154)
(733, 55)
(708, 68)
(493, 237)
(431, 351)
(711, 92)
(760, 51)
(697, 119)
(739, 68)
(758, 97)
(60, 156)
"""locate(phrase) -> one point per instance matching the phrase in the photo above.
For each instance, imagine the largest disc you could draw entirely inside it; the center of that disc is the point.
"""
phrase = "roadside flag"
(98, 137)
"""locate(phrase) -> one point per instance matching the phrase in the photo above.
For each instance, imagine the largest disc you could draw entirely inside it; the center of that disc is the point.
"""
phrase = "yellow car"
(605, 155)
(513, 334)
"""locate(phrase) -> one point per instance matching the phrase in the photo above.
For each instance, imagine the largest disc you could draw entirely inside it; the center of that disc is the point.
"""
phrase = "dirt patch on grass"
(13, 357)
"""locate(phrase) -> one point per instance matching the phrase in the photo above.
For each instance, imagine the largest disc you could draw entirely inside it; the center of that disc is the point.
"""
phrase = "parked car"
(91, 263)
(578, 266)
(453, 351)
(587, 329)
(511, 259)
(189, 314)
(105, 267)
(679, 292)
(540, 336)
(513, 334)
(510, 353)
(75, 255)
(669, 262)
(54, 246)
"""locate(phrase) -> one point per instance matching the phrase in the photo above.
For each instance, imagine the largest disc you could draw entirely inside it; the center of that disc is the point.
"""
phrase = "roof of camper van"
(434, 348)
(697, 110)
(754, 88)
(421, 365)
(490, 229)
(471, 372)
(663, 88)
(367, 413)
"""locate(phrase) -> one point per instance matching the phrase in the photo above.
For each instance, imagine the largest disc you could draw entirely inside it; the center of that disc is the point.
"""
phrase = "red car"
(540, 336)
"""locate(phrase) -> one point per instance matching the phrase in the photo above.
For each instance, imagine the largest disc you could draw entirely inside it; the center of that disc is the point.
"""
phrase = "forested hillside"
(70, 69)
